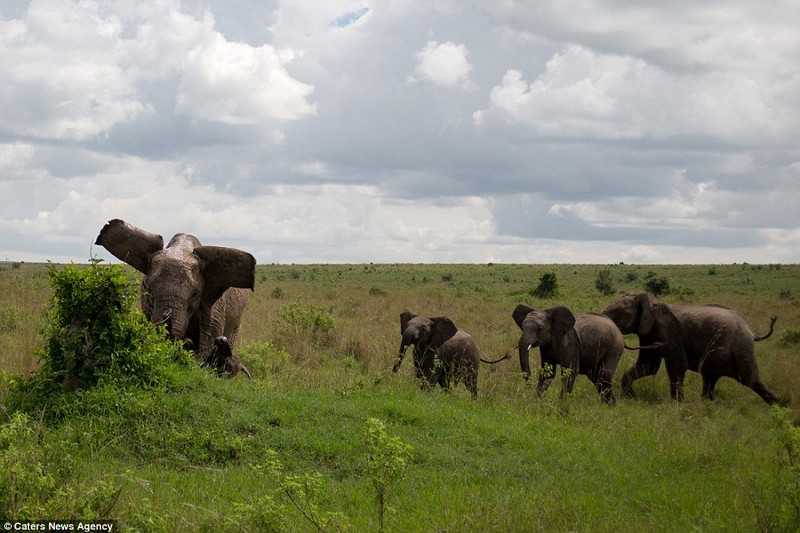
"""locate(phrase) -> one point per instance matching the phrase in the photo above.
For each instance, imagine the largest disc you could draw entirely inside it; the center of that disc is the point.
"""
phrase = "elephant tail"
(772, 320)
(648, 347)
(505, 356)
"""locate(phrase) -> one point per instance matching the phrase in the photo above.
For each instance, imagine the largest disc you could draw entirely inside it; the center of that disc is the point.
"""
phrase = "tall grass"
(187, 456)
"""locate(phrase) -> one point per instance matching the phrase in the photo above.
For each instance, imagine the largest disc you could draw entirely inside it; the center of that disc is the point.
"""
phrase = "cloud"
(445, 64)
(344, 131)
(236, 83)
(75, 70)
(582, 93)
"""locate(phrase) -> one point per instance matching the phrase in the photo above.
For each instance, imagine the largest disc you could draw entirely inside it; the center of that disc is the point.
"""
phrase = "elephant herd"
(198, 293)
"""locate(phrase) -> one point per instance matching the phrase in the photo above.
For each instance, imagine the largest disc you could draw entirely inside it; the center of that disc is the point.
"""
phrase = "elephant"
(197, 292)
(711, 339)
(587, 343)
(224, 361)
(442, 351)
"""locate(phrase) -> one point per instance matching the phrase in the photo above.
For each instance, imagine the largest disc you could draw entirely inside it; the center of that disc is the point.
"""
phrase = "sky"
(404, 131)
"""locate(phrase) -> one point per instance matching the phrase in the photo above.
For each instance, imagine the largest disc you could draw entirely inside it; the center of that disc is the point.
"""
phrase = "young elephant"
(711, 339)
(224, 361)
(442, 351)
(586, 343)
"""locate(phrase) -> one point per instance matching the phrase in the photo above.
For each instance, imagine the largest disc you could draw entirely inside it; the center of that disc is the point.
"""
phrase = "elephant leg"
(766, 394)
(568, 375)
(676, 372)
(646, 365)
(753, 381)
(471, 382)
(546, 376)
(709, 382)
(440, 377)
(605, 387)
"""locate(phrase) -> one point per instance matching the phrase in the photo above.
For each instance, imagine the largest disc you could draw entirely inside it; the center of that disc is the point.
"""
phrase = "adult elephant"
(587, 343)
(442, 351)
(197, 292)
(710, 339)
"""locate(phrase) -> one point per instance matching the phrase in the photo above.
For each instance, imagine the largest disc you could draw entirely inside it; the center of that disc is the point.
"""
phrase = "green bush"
(311, 323)
(547, 287)
(95, 333)
(657, 286)
(789, 337)
(604, 283)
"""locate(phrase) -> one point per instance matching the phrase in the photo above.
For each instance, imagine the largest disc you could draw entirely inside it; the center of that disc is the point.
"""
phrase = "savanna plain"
(325, 437)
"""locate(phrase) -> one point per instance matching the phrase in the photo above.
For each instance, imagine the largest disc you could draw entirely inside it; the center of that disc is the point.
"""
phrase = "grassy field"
(320, 341)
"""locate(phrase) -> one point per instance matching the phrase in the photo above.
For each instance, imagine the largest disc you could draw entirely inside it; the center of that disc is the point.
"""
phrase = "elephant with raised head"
(442, 351)
(587, 343)
(710, 339)
(197, 292)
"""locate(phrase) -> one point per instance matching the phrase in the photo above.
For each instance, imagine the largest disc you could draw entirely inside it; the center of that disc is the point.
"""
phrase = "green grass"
(188, 456)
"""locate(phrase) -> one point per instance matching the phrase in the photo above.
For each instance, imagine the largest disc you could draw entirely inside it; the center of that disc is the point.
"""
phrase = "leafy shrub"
(377, 291)
(262, 357)
(95, 330)
(604, 283)
(387, 461)
(547, 287)
(304, 327)
(95, 333)
(656, 285)
(9, 318)
(790, 337)
(277, 293)
(447, 278)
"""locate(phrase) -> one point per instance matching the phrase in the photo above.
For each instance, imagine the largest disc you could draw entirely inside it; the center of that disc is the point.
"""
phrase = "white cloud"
(62, 73)
(236, 83)
(583, 93)
(72, 70)
(445, 64)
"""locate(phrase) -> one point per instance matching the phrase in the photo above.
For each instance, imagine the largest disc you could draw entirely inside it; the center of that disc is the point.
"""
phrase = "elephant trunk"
(524, 360)
(172, 317)
(400, 354)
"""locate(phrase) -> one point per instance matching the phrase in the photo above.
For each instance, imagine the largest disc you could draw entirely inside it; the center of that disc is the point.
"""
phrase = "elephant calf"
(224, 361)
(442, 351)
(586, 343)
(710, 339)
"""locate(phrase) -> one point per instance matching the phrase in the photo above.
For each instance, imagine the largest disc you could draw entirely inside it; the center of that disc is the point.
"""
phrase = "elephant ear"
(520, 312)
(647, 317)
(405, 318)
(128, 243)
(442, 329)
(561, 320)
(224, 268)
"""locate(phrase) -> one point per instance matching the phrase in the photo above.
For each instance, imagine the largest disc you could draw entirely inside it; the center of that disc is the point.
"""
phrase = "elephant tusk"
(167, 315)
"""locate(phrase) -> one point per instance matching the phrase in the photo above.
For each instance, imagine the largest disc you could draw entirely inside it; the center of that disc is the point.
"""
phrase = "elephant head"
(426, 334)
(183, 281)
(633, 313)
(543, 328)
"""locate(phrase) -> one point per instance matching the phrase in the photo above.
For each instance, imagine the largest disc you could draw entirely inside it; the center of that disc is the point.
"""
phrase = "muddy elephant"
(442, 352)
(587, 343)
(710, 339)
(197, 292)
